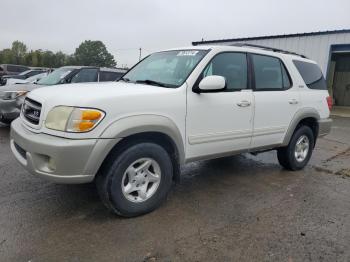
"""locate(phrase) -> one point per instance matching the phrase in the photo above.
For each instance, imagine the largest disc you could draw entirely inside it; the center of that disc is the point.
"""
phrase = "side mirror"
(212, 84)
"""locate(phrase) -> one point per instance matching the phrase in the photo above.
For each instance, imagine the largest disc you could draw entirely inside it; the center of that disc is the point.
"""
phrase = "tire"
(4, 122)
(130, 195)
(293, 157)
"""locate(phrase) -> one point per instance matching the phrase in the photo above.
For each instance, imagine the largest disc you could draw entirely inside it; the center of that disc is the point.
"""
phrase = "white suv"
(131, 137)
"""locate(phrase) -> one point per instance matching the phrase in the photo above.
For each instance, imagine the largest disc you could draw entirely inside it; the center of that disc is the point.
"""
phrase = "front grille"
(31, 111)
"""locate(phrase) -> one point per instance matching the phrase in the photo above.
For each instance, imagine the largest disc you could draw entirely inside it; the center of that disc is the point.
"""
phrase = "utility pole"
(140, 53)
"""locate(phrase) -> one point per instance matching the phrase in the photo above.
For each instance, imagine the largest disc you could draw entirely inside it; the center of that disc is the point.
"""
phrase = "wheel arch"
(306, 116)
(147, 128)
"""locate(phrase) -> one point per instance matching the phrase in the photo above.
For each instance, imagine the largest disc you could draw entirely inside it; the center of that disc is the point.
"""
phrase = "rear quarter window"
(311, 74)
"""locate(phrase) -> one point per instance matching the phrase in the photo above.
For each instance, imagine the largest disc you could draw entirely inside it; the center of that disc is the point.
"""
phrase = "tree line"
(88, 53)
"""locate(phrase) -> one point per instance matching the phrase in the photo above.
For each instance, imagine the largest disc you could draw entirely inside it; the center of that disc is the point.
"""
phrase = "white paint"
(209, 123)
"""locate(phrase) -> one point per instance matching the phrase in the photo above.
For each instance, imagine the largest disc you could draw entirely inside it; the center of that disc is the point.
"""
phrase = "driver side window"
(232, 66)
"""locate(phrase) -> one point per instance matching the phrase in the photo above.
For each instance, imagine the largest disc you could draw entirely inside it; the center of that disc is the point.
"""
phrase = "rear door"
(276, 100)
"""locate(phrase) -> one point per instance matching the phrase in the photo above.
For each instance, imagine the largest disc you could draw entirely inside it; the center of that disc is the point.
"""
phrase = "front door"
(221, 122)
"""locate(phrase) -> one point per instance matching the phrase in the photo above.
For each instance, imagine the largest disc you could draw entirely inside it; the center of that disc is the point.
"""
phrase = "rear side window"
(109, 76)
(16, 69)
(12, 68)
(311, 74)
(270, 73)
(22, 69)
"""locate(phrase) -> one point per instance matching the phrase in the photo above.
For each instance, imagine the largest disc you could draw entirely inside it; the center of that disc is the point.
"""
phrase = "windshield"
(167, 69)
(55, 77)
(36, 77)
(24, 72)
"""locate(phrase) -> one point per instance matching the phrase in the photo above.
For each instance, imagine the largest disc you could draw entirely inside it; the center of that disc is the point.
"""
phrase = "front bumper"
(324, 126)
(59, 160)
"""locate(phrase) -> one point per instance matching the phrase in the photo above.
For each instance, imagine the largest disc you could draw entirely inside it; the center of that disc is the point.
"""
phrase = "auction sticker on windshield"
(187, 53)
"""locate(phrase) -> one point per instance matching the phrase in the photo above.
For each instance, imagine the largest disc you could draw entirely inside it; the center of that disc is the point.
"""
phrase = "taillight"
(329, 102)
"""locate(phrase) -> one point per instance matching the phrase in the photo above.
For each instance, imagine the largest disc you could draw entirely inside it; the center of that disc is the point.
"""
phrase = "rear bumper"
(324, 126)
(57, 159)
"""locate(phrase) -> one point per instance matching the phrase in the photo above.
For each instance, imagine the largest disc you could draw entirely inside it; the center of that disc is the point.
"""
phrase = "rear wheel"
(137, 180)
(297, 154)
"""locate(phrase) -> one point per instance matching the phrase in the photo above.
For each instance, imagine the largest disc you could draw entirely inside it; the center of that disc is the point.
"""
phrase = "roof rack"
(268, 48)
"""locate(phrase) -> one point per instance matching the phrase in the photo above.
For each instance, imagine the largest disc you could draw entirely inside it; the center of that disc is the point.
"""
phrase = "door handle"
(293, 102)
(243, 103)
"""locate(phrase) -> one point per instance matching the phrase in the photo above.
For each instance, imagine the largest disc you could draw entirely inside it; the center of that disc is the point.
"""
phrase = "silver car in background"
(12, 96)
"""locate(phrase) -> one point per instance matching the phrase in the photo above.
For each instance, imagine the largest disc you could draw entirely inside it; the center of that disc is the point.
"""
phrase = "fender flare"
(298, 116)
(131, 125)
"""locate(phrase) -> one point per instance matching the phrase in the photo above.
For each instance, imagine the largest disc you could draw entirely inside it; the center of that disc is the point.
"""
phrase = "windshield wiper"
(151, 82)
(124, 79)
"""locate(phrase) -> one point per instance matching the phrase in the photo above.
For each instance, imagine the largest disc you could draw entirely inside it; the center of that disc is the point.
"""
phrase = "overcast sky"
(126, 25)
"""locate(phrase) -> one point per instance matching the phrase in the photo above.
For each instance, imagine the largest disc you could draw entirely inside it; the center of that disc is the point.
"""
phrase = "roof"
(342, 31)
(118, 70)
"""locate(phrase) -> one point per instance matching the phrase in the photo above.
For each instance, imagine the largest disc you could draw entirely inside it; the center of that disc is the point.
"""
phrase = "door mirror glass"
(212, 83)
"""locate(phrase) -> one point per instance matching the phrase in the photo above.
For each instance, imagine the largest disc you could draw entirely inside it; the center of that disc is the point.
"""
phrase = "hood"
(8, 76)
(92, 94)
(20, 87)
(13, 81)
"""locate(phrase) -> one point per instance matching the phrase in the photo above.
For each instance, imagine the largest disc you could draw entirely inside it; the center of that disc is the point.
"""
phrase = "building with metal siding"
(330, 49)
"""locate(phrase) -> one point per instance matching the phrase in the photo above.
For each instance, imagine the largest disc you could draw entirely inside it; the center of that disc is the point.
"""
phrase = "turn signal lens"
(85, 126)
(73, 119)
(91, 115)
(84, 120)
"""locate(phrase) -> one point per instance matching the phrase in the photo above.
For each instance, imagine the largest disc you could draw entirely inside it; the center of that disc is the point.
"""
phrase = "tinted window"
(232, 66)
(269, 73)
(18, 69)
(85, 75)
(32, 73)
(22, 69)
(109, 76)
(11, 68)
(286, 79)
(311, 74)
(24, 73)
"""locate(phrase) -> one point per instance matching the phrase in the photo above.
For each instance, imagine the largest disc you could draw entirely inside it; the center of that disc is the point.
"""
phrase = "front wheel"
(137, 180)
(297, 154)
(4, 122)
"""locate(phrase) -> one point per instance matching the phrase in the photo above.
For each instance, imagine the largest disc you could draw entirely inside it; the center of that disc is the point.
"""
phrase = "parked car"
(7, 69)
(172, 108)
(23, 75)
(32, 79)
(12, 97)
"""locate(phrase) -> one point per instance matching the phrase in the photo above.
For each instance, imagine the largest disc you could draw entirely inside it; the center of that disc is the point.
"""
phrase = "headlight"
(73, 119)
(11, 95)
